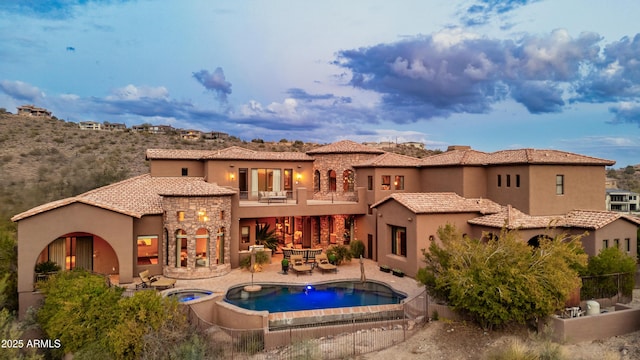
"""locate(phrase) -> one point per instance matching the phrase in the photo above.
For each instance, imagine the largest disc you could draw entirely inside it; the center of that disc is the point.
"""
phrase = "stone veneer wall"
(218, 211)
(339, 163)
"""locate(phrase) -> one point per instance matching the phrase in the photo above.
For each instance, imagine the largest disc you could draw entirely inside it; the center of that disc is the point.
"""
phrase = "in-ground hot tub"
(188, 295)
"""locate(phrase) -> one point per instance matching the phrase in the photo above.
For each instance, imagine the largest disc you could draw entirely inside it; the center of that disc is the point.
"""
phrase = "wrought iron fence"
(619, 286)
(337, 340)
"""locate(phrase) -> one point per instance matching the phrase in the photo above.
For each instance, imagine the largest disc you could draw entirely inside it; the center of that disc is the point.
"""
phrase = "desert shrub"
(609, 261)
(341, 253)
(503, 280)
(357, 248)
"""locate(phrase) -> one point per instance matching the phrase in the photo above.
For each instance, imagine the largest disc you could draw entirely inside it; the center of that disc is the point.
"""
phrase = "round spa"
(188, 295)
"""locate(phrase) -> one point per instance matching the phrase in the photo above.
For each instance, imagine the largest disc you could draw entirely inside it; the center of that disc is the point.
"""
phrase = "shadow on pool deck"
(273, 273)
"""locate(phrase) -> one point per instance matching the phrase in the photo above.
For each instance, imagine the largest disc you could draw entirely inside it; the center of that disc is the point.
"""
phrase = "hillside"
(42, 160)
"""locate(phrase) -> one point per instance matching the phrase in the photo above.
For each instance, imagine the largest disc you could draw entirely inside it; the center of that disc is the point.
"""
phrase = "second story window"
(499, 180)
(398, 183)
(386, 182)
(559, 184)
(185, 172)
(517, 180)
(508, 180)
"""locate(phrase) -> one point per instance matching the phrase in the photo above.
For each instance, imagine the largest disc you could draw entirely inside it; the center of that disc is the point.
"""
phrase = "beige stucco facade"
(331, 197)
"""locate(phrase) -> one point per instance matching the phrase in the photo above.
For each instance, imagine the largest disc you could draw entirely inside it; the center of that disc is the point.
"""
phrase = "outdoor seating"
(154, 282)
(299, 265)
(286, 253)
(322, 263)
(311, 254)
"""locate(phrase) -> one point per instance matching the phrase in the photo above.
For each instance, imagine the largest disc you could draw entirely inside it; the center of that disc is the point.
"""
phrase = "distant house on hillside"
(215, 136)
(114, 126)
(153, 129)
(90, 125)
(31, 110)
(190, 134)
(622, 200)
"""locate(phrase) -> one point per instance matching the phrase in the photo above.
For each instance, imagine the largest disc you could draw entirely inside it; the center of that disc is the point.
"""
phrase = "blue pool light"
(309, 287)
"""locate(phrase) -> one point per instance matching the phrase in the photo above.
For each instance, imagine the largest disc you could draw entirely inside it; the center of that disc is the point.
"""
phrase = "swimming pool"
(288, 297)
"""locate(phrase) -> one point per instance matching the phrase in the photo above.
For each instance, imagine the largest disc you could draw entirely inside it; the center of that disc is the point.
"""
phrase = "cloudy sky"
(487, 73)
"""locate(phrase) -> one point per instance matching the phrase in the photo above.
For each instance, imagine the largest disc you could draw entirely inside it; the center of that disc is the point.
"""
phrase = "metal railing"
(337, 340)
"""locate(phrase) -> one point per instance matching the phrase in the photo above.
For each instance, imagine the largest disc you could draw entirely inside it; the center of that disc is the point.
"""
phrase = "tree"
(502, 280)
(609, 261)
(266, 237)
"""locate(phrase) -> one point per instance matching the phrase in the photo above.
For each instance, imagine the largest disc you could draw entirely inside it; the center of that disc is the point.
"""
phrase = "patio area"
(273, 273)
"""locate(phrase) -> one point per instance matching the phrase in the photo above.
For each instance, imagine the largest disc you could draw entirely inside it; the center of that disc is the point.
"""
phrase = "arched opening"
(202, 248)
(80, 250)
(535, 241)
(181, 248)
(489, 236)
(220, 246)
(347, 181)
(316, 181)
(332, 181)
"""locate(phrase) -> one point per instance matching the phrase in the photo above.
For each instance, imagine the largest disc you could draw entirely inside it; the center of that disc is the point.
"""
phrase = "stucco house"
(196, 211)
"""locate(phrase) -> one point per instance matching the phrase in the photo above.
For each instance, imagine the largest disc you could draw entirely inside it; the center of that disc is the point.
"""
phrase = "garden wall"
(622, 321)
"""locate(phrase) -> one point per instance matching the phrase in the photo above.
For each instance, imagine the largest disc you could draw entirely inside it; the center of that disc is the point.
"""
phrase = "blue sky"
(487, 73)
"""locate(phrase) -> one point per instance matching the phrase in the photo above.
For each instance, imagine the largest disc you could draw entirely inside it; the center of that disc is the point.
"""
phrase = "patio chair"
(322, 263)
(299, 265)
(154, 282)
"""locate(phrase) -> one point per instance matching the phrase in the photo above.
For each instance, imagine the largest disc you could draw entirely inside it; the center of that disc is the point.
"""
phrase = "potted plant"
(332, 259)
(385, 268)
(285, 266)
(397, 272)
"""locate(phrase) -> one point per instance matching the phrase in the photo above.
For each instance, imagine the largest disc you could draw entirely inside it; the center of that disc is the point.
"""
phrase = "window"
(181, 248)
(605, 244)
(399, 240)
(616, 243)
(244, 234)
(316, 181)
(559, 184)
(288, 179)
(627, 244)
(202, 248)
(265, 180)
(347, 181)
(369, 182)
(243, 182)
(398, 183)
(202, 215)
(180, 215)
(499, 180)
(386, 182)
(508, 180)
(332, 181)
(185, 172)
(517, 180)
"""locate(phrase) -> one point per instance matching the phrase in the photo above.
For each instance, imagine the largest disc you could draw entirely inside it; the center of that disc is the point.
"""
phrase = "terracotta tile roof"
(239, 153)
(595, 219)
(457, 157)
(427, 203)
(513, 218)
(583, 219)
(521, 156)
(391, 160)
(137, 196)
(345, 147)
(230, 153)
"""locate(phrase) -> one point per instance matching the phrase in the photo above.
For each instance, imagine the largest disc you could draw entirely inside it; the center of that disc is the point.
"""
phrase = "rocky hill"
(42, 160)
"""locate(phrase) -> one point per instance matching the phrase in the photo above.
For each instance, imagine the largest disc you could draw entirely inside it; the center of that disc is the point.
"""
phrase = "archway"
(535, 241)
(79, 250)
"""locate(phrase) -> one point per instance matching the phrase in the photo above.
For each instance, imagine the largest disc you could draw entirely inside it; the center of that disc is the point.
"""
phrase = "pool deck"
(272, 273)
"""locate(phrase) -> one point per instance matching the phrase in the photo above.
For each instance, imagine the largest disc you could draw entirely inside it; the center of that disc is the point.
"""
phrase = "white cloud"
(132, 92)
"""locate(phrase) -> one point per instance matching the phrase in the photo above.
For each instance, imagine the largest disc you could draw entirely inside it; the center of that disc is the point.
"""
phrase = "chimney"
(458, 147)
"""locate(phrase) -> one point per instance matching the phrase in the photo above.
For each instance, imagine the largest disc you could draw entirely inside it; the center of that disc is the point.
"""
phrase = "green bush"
(503, 280)
(47, 267)
(609, 261)
(341, 253)
(357, 249)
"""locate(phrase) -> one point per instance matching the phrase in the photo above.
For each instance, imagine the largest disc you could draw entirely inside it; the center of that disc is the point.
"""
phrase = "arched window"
(181, 248)
(347, 181)
(202, 247)
(316, 181)
(332, 181)
(220, 246)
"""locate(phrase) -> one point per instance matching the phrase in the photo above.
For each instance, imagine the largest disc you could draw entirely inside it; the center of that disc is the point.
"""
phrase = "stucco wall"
(174, 167)
(37, 232)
